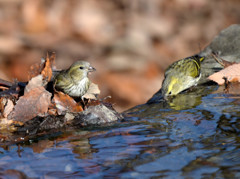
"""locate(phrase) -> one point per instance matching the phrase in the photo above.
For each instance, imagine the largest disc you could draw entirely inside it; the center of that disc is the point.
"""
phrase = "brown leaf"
(36, 69)
(231, 73)
(32, 104)
(8, 107)
(47, 70)
(65, 103)
(35, 82)
(92, 92)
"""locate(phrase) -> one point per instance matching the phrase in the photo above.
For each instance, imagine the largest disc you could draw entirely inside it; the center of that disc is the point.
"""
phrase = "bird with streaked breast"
(74, 81)
(182, 75)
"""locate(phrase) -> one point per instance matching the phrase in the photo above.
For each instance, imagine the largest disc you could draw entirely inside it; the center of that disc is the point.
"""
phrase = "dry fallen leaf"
(8, 107)
(44, 68)
(47, 70)
(34, 83)
(92, 92)
(32, 104)
(36, 69)
(65, 103)
(231, 73)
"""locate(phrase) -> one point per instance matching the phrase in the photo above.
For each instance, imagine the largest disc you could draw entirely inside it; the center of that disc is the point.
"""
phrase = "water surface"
(195, 135)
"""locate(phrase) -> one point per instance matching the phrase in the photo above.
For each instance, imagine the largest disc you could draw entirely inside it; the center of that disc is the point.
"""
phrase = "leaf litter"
(230, 73)
(33, 103)
(64, 103)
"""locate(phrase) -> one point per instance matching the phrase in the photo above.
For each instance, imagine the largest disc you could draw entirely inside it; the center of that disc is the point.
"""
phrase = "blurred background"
(129, 42)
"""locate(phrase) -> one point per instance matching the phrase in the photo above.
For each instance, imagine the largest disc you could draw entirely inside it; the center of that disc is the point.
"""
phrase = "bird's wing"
(62, 80)
(193, 68)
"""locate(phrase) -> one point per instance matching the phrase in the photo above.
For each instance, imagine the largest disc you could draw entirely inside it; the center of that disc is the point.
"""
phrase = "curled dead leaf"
(65, 103)
(8, 107)
(35, 82)
(36, 69)
(44, 68)
(47, 70)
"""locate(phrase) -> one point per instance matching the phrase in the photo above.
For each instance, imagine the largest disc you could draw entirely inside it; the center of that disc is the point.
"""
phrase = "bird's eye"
(170, 93)
(81, 68)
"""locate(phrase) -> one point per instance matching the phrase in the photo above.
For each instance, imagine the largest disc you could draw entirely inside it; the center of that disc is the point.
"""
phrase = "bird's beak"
(91, 69)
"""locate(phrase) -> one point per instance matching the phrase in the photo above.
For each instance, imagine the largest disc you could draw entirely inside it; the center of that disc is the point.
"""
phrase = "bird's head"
(80, 70)
(171, 86)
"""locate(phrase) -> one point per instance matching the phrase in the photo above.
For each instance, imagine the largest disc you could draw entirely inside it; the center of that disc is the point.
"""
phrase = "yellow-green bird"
(181, 75)
(74, 81)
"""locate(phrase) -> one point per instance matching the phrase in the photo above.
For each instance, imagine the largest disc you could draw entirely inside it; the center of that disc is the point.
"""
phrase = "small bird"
(181, 75)
(74, 81)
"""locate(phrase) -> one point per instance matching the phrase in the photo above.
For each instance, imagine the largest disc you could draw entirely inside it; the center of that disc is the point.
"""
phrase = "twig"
(215, 57)
(5, 83)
